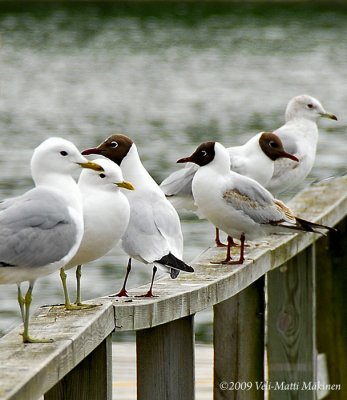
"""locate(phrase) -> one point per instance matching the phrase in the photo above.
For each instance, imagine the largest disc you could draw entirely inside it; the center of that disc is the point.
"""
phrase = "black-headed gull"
(255, 159)
(42, 229)
(236, 204)
(154, 233)
(299, 136)
(106, 214)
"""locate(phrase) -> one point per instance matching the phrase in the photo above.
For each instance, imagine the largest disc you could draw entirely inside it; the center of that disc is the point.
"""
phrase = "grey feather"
(180, 182)
(253, 200)
(36, 229)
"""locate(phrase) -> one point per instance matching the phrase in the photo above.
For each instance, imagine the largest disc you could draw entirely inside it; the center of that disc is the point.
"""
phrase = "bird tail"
(313, 227)
(171, 261)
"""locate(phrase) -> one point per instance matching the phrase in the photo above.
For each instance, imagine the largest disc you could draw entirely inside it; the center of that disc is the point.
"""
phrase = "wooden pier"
(280, 319)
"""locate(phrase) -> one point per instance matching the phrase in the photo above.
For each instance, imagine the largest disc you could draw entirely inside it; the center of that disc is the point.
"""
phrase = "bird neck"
(134, 171)
(65, 186)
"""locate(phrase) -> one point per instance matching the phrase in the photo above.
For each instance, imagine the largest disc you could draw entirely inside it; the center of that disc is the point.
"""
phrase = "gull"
(236, 204)
(106, 213)
(41, 230)
(154, 233)
(299, 136)
(255, 159)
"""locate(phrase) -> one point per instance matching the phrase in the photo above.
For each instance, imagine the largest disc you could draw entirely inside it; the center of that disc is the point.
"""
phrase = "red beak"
(287, 155)
(94, 150)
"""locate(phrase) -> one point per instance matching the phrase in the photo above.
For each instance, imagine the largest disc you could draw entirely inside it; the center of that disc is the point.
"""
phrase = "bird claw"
(29, 339)
(121, 293)
(149, 294)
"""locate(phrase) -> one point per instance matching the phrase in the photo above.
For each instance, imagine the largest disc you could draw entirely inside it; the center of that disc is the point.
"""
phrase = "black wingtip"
(174, 273)
(311, 226)
(171, 261)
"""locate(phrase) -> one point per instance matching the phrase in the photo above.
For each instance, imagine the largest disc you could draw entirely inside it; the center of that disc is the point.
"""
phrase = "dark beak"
(94, 150)
(182, 160)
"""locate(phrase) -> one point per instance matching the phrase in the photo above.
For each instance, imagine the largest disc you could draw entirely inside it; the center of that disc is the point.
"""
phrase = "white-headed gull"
(236, 204)
(106, 213)
(42, 229)
(299, 136)
(154, 233)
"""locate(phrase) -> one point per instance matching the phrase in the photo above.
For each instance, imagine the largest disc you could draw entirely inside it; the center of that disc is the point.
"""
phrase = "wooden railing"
(278, 319)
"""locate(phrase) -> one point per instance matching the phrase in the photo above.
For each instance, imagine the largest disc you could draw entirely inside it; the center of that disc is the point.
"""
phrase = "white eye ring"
(204, 153)
(114, 144)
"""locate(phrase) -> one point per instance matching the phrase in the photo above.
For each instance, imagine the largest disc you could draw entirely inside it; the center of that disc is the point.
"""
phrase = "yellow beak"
(91, 165)
(329, 115)
(125, 185)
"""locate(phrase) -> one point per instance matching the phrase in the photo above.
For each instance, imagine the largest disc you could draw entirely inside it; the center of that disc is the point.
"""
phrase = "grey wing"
(149, 227)
(8, 202)
(35, 229)
(168, 223)
(253, 200)
(179, 183)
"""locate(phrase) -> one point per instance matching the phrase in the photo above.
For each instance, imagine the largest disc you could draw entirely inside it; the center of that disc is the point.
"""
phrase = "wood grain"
(239, 344)
(332, 307)
(291, 336)
(165, 361)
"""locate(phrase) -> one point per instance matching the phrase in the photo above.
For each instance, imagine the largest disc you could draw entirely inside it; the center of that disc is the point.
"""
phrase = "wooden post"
(291, 344)
(90, 379)
(239, 345)
(332, 307)
(165, 361)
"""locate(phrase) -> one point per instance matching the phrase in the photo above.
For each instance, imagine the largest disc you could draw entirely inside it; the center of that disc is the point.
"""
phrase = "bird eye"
(273, 144)
(63, 153)
(102, 176)
(310, 105)
(204, 153)
(114, 144)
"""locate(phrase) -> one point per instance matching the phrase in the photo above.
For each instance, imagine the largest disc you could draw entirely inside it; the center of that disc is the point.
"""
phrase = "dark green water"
(170, 75)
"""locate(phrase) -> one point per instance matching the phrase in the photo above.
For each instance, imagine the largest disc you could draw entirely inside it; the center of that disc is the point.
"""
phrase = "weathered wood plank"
(239, 345)
(332, 307)
(165, 361)
(90, 379)
(211, 284)
(291, 335)
(29, 370)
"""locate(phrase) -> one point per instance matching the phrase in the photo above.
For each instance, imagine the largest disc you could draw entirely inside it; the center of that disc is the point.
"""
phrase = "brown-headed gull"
(236, 204)
(42, 229)
(154, 233)
(299, 136)
(106, 213)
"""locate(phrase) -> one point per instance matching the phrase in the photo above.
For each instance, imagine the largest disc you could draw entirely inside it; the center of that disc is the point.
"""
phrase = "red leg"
(228, 257)
(242, 250)
(123, 292)
(221, 244)
(217, 240)
(150, 292)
